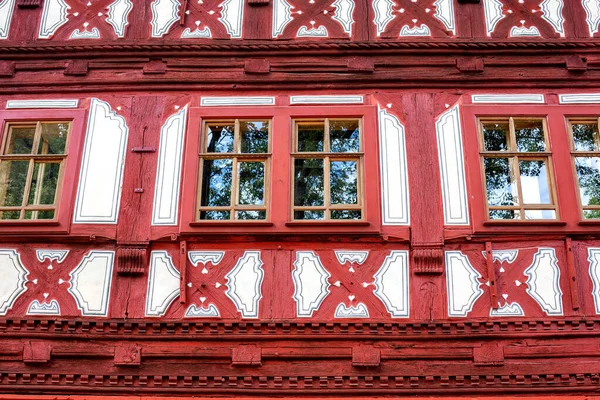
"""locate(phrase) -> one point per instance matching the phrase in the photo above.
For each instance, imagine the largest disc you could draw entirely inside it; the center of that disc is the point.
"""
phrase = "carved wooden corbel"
(132, 258)
(427, 258)
(29, 3)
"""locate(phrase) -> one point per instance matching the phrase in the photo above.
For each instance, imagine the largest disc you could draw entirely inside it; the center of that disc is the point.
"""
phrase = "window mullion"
(234, 189)
(517, 178)
(327, 187)
(27, 187)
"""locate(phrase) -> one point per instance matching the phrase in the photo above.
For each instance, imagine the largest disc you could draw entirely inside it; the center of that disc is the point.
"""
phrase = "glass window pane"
(311, 136)
(534, 182)
(220, 138)
(21, 140)
(251, 215)
(344, 136)
(343, 182)
(588, 174)
(13, 179)
(345, 214)
(591, 214)
(530, 135)
(252, 183)
(505, 214)
(495, 136)
(53, 138)
(43, 214)
(540, 214)
(214, 215)
(308, 182)
(255, 136)
(310, 214)
(584, 135)
(216, 183)
(44, 182)
(501, 189)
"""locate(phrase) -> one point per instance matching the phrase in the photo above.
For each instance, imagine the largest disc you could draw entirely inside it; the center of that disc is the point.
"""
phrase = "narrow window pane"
(214, 215)
(311, 137)
(505, 214)
(310, 214)
(534, 182)
(10, 214)
(43, 214)
(308, 182)
(44, 182)
(345, 214)
(251, 215)
(252, 183)
(344, 136)
(220, 138)
(21, 140)
(53, 139)
(591, 214)
(255, 136)
(540, 214)
(501, 189)
(530, 135)
(216, 183)
(13, 175)
(588, 174)
(344, 182)
(495, 136)
(584, 135)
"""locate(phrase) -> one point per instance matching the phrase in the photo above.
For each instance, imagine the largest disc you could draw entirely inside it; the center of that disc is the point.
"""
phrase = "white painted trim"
(168, 170)
(422, 30)
(194, 311)
(37, 308)
(508, 99)
(580, 98)
(508, 310)
(342, 99)
(42, 103)
(351, 256)
(358, 311)
(51, 255)
(104, 126)
(95, 282)
(237, 101)
(394, 170)
(6, 12)
(85, 34)
(509, 256)
(452, 168)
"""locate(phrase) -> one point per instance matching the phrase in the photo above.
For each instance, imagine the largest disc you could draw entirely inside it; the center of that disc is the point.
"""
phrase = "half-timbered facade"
(299, 197)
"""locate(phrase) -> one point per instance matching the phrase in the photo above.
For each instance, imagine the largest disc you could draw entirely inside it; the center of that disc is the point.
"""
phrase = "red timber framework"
(124, 289)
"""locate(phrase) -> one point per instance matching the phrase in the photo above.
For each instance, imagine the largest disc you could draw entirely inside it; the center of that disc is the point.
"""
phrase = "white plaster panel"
(237, 101)
(90, 283)
(508, 99)
(544, 281)
(244, 285)
(13, 276)
(311, 284)
(342, 99)
(444, 11)
(452, 168)
(163, 284)
(344, 10)
(592, 10)
(54, 16)
(462, 283)
(493, 14)
(582, 98)
(164, 14)
(101, 177)
(383, 14)
(282, 15)
(391, 282)
(232, 17)
(168, 174)
(594, 259)
(6, 12)
(42, 103)
(118, 14)
(394, 171)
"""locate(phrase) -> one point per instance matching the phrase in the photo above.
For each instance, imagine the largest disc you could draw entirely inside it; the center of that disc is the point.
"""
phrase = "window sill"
(327, 223)
(589, 222)
(28, 223)
(525, 223)
(230, 223)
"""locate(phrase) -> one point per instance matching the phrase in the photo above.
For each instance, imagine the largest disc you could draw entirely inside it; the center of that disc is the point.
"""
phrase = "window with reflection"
(585, 150)
(517, 164)
(31, 169)
(234, 166)
(327, 170)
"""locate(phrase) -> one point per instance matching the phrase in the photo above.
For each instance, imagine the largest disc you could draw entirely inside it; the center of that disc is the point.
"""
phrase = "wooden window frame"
(280, 221)
(236, 156)
(575, 154)
(514, 156)
(65, 197)
(328, 156)
(567, 195)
